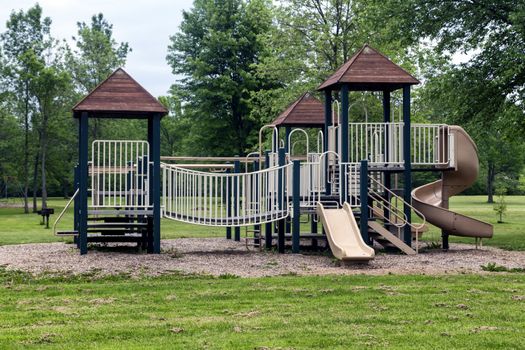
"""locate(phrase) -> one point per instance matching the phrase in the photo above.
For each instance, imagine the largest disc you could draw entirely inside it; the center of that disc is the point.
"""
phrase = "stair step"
(377, 227)
(117, 225)
(67, 233)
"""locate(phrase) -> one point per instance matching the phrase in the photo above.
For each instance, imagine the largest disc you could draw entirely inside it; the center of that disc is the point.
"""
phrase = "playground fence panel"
(220, 199)
(119, 173)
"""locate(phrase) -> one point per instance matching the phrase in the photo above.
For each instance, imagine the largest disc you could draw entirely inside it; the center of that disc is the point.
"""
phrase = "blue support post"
(75, 204)
(327, 123)
(344, 140)
(268, 227)
(282, 223)
(228, 205)
(296, 223)
(287, 131)
(407, 173)
(83, 182)
(256, 228)
(236, 170)
(386, 149)
(154, 140)
(363, 198)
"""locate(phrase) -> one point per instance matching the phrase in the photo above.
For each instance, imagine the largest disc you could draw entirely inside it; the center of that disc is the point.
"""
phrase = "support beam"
(287, 131)
(386, 148)
(343, 152)
(257, 229)
(344, 123)
(82, 181)
(281, 203)
(154, 142)
(228, 206)
(237, 229)
(268, 227)
(296, 217)
(327, 124)
(407, 172)
(363, 198)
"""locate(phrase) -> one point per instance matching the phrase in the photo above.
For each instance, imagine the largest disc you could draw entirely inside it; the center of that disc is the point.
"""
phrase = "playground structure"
(357, 182)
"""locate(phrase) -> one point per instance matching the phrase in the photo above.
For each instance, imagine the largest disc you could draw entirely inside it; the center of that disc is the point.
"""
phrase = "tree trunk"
(26, 151)
(491, 175)
(43, 150)
(35, 181)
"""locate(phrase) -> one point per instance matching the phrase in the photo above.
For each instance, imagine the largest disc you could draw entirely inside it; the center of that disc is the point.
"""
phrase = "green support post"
(407, 173)
(282, 223)
(83, 182)
(236, 170)
(363, 198)
(296, 197)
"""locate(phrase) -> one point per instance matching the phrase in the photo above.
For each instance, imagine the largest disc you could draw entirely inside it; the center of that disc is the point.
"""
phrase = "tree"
(216, 51)
(26, 32)
(96, 56)
(48, 83)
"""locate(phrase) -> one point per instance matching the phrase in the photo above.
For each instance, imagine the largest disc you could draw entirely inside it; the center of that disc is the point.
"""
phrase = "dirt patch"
(225, 258)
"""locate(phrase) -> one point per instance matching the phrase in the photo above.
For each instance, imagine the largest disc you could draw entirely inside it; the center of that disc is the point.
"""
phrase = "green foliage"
(97, 53)
(493, 267)
(218, 45)
(500, 206)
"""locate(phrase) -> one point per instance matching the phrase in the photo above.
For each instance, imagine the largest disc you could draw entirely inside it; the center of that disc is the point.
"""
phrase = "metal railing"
(382, 144)
(119, 172)
(63, 212)
(218, 199)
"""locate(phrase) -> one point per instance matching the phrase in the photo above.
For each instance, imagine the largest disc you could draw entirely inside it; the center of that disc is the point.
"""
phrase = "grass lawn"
(508, 235)
(16, 227)
(288, 312)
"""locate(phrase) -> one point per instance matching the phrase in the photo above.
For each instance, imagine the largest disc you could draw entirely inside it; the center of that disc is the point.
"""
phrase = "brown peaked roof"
(119, 94)
(305, 111)
(369, 69)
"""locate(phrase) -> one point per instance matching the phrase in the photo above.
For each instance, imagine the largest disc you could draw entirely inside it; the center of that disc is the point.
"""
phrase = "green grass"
(16, 227)
(330, 312)
(508, 235)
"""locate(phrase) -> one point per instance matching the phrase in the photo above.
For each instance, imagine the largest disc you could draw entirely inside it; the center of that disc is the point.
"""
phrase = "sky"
(145, 25)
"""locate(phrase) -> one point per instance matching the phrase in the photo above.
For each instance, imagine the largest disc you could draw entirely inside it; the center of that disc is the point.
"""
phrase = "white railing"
(430, 144)
(119, 172)
(379, 143)
(218, 199)
(382, 144)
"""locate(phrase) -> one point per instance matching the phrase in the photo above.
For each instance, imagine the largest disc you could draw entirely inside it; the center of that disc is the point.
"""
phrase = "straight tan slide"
(343, 234)
(432, 199)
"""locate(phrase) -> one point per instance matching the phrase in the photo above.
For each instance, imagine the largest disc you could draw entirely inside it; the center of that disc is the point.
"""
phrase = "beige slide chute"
(343, 234)
(432, 199)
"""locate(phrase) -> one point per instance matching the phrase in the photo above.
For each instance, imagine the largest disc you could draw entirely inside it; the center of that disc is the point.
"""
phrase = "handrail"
(63, 211)
(320, 136)
(290, 138)
(412, 225)
(420, 214)
(275, 138)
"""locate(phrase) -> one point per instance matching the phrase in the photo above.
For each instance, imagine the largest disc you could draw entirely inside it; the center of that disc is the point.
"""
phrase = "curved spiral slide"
(343, 234)
(432, 199)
